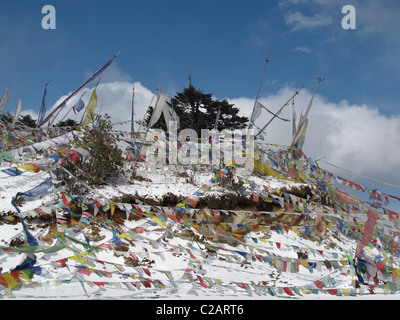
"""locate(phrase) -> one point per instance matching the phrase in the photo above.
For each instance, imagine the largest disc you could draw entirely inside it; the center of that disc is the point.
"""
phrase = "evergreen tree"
(6, 117)
(67, 123)
(197, 110)
(28, 121)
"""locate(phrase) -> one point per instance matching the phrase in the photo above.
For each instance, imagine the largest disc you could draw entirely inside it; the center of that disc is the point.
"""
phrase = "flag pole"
(148, 126)
(302, 124)
(147, 110)
(61, 105)
(258, 92)
(279, 111)
(133, 111)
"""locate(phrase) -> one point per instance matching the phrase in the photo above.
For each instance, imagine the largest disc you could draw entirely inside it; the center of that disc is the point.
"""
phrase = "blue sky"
(221, 44)
(355, 120)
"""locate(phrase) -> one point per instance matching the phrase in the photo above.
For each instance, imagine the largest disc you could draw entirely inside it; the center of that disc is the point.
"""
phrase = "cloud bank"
(355, 137)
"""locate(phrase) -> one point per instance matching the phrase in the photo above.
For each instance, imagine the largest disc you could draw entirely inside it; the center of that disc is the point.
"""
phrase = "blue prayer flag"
(79, 105)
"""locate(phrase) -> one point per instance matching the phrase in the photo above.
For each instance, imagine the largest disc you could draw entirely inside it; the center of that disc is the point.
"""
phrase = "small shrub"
(105, 158)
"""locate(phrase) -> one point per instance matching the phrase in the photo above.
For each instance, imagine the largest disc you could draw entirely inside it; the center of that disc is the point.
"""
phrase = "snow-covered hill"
(287, 232)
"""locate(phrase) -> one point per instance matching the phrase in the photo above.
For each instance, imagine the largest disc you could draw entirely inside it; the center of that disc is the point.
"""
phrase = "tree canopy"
(28, 121)
(197, 110)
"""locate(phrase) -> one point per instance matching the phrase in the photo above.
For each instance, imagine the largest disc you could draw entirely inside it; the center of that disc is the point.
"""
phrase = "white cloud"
(303, 49)
(298, 21)
(354, 137)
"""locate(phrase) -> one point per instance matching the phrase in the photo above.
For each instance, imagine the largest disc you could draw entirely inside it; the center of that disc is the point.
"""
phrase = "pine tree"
(28, 121)
(67, 123)
(197, 110)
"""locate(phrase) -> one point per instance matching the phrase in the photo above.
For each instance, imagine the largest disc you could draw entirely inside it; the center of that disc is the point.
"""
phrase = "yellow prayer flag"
(386, 289)
(237, 235)
(194, 261)
(305, 291)
(302, 176)
(91, 107)
(119, 267)
(346, 292)
(343, 262)
(27, 167)
(78, 258)
(159, 222)
(296, 230)
(396, 272)
(196, 227)
(127, 236)
(112, 207)
(385, 255)
(11, 282)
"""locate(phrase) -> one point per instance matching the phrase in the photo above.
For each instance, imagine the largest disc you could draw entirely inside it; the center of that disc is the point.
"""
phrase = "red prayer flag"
(288, 291)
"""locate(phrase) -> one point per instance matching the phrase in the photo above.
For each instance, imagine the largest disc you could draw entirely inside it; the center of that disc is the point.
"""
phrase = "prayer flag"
(4, 99)
(78, 106)
(91, 107)
(17, 111)
(42, 111)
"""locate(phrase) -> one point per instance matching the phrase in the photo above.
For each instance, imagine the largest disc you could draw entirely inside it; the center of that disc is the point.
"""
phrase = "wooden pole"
(148, 126)
(279, 111)
(77, 90)
(133, 111)
(258, 92)
(302, 124)
(147, 110)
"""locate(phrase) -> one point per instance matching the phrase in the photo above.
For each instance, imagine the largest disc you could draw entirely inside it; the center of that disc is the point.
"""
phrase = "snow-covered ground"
(152, 257)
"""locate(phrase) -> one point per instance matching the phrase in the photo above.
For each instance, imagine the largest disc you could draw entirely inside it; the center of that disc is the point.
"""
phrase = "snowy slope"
(168, 268)
(154, 252)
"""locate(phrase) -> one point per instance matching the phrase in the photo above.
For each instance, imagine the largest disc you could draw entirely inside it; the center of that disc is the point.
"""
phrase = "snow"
(178, 267)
